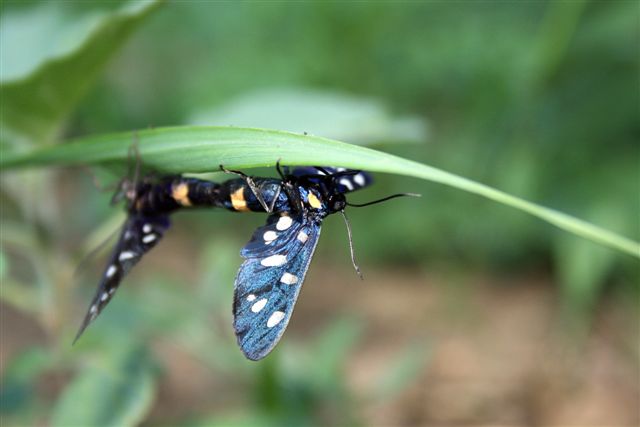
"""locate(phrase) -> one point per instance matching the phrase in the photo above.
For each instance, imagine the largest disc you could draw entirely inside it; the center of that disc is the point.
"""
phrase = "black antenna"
(357, 205)
(384, 199)
(353, 256)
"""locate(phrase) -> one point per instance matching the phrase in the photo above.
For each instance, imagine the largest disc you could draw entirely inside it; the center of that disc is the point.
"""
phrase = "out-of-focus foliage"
(121, 379)
(51, 54)
(538, 99)
(330, 115)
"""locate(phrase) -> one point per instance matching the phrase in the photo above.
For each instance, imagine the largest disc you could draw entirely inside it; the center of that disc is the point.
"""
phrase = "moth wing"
(139, 234)
(351, 180)
(273, 237)
(268, 284)
(347, 180)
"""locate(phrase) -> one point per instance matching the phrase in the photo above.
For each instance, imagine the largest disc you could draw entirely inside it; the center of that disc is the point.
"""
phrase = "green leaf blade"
(203, 149)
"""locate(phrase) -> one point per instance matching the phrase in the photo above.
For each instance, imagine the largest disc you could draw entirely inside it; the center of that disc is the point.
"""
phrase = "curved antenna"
(384, 199)
(353, 256)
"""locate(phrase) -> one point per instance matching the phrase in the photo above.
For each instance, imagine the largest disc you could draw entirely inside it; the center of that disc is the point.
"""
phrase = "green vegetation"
(539, 100)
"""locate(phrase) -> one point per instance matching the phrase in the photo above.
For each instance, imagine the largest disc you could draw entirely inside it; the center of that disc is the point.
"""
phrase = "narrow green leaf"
(202, 149)
(50, 57)
(583, 267)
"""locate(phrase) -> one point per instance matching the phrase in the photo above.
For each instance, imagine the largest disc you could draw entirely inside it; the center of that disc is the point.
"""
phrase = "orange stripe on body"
(180, 194)
(238, 201)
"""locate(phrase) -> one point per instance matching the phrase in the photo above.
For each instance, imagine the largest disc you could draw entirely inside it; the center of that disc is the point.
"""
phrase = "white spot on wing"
(146, 228)
(340, 169)
(302, 236)
(275, 318)
(284, 222)
(112, 291)
(274, 261)
(126, 255)
(289, 279)
(149, 238)
(93, 309)
(359, 179)
(269, 236)
(111, 270)
(251, 297)
(346, 183)
(259, 305)
(104, 297)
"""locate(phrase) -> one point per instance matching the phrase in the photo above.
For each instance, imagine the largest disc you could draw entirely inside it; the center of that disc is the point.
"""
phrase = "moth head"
(336, 202)
(126, 191)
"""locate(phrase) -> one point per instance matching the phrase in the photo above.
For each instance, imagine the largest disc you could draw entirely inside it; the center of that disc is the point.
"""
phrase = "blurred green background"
(470, 312)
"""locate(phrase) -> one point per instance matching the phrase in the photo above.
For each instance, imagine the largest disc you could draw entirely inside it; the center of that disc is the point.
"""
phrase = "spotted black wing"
(269, 281)
(346, 180)
(139, 234)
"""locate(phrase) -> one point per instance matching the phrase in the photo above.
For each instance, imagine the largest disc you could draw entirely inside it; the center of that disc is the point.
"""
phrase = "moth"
(276, 258)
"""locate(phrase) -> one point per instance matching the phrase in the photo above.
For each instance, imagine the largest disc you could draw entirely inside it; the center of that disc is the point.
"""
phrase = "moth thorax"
(314, 201)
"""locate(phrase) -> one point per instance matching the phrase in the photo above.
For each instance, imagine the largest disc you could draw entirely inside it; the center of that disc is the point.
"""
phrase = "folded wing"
(268, 283)
(139, 234)
(346, 180)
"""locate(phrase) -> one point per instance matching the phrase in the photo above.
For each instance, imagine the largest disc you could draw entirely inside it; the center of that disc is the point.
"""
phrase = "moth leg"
(96, 181)
(134, 154)
(252, 185)
(275, 199)
(283, 175)
(127, 187)
(294, 197)
(292, 194)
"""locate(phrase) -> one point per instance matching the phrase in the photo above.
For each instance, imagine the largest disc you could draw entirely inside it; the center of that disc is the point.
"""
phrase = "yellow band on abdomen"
(237, 200)
(180, 194)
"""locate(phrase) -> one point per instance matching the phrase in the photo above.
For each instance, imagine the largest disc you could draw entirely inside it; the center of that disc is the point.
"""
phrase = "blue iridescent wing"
(139, 234)
(347, 181)
(269, 281)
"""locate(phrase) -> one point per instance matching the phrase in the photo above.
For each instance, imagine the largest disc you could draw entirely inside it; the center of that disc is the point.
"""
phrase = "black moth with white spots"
(149, 202)
(276, 258)
(278, 255)
(139, 234)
